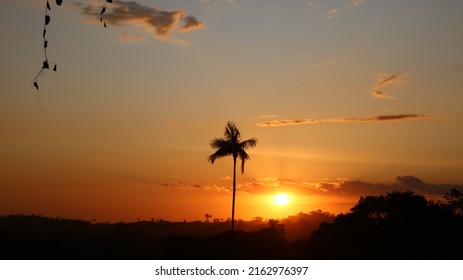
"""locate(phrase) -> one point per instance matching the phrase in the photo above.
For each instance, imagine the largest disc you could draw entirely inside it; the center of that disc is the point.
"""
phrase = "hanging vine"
(46, 62)
(103, 10)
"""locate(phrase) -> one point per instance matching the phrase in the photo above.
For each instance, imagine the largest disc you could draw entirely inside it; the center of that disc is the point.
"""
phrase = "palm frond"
(243, 156)
(232, 133)
(218, 143)
(220, 153)
(250, 143)
(231, 145)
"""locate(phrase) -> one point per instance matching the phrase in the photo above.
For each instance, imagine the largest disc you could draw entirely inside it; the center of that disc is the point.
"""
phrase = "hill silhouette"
(397, 225)
(36, 237)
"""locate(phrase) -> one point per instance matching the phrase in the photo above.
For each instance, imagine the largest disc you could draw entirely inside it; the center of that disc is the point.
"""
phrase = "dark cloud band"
(381, 118)
(347, 187)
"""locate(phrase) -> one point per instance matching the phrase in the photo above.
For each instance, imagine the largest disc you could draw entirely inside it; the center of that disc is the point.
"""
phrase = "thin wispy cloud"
(345, 187)
(387, 80)
(315, 4)
(331, 11)
(192, 186)
(271, 185)
(215, 6)
(191, 23)
(334, 11)
(274, 123)
(335, 186)
(327, 63)
(381, 118)
(331, 14)
(159, 23)
(267, 116)
(357, 2)
(382, 95)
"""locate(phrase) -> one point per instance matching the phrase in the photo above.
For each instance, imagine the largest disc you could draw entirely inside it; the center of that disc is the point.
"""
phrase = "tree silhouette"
(398, 225)
(231, 145)
(454, 199)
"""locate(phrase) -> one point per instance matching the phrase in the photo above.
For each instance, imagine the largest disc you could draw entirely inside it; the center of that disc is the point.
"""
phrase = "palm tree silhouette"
(231, 145)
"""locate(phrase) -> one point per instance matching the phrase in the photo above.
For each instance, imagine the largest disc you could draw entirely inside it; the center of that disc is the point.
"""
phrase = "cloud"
(357, 2)
(274, 123)
(387, 80)
(268, 116)
(381, 118)
(332, 13)
(314, 4)
(190, 186)
(382, 95)
(403, 183)
(215, 6)
(191, 23)
(329, 62)
(159, 23)
(343, 187)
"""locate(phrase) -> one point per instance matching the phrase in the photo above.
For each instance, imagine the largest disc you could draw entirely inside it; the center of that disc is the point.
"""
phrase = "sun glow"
(281, 199)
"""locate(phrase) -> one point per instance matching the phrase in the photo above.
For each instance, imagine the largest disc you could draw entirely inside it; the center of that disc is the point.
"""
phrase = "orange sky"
(343, 96)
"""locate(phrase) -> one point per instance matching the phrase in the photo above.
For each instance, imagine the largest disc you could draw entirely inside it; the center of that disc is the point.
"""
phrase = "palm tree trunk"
(234, 192)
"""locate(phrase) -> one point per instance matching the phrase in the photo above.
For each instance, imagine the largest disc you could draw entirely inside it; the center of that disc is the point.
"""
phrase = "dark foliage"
(231, 145)
(399, 225)
(36, 237)
(267, 243)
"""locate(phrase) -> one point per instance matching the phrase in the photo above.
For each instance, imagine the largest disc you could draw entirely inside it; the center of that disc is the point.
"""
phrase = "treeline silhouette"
(37, 237)
(397, 225)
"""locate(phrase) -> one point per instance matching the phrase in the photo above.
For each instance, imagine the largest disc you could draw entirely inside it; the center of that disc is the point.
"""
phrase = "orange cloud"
(191, 23)
(274, 123)
(191, 186)
(382, 118)
(337, 187)
(159, 23)
(332, 13)
(343, 187)
(329, 62)
(357, 2)
(386, 80)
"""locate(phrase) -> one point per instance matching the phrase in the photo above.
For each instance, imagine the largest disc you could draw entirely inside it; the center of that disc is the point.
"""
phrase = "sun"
(281, 199)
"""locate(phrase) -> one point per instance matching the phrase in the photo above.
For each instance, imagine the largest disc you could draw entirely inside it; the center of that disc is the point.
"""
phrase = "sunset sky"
(343, 96)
